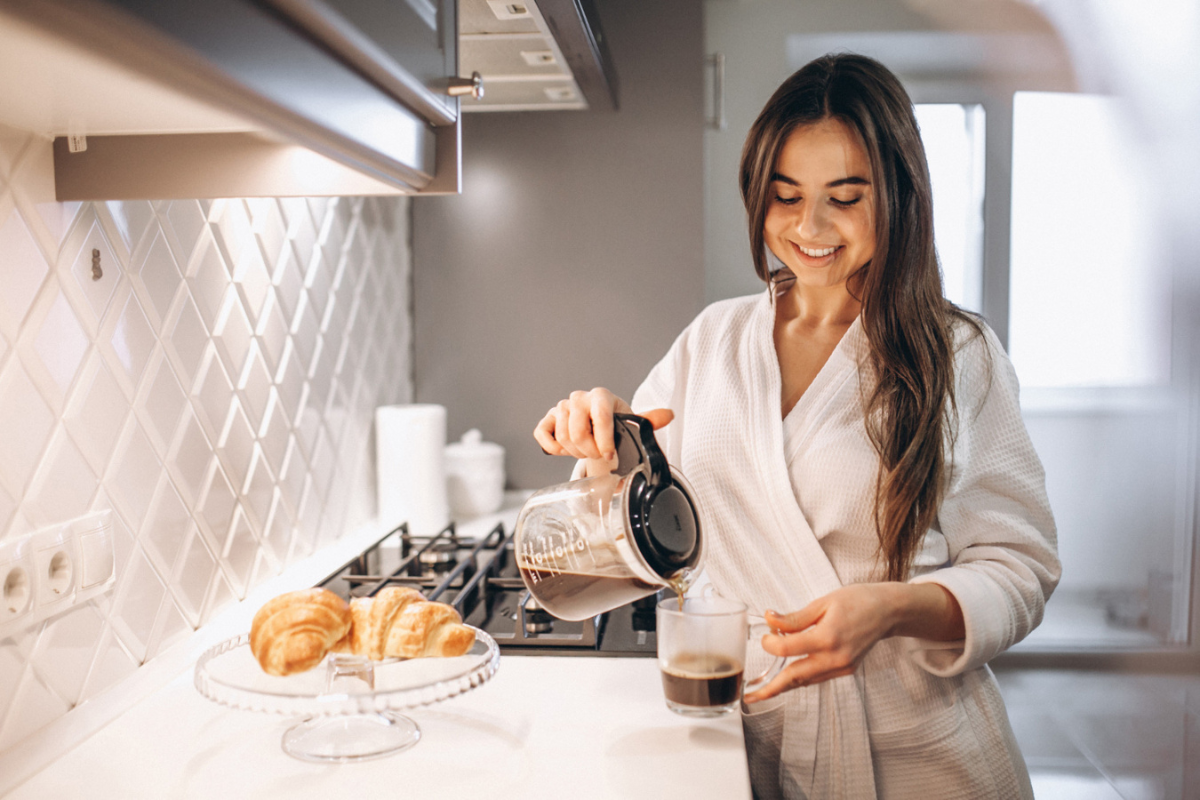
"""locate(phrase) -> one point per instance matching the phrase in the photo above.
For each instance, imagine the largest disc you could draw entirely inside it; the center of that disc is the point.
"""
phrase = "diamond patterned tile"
(19, 287)
(289, 285)
(351, 266)
(318, 284)
(193, 577)
(137, 607)
(239, 496)
(278, 532)
(273, 434)
(12, 666)
(239, 554)
(186, 341)
(129, 340)
(65, 650)
(113, 663)
(220, 596)
(92, 295)
(61, 344)
(306, 330)
(333, 232)
(234, 231)
(289, 380)
(213, 394)
(218, 503)
(96, 413)
(260, 490)
(334, 327)
(34, 707)
(266, 218)
(170, 627)
(162, 403)
(308, 514)
(233, 333)
(159, 276)
(134, 475)
(22, 443)
(7, 506)
(294, 474)
(167, 528)
(64, 484)
(308, 424)
(185, 222)
(254, 387)
(272, 332)
(189, 459)
(133, 219)
(209, 280)
(236, 446)
(254, 278)
(265, 568)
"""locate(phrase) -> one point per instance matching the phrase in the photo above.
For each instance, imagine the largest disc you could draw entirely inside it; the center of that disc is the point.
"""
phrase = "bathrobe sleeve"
(662, 388)
(995, 517)
(665, 387)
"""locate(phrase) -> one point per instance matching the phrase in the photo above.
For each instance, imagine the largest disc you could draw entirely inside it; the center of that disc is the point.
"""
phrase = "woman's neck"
(818, 306)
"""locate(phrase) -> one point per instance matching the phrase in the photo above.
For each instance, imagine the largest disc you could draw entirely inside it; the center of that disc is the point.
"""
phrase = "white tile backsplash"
(213, 387)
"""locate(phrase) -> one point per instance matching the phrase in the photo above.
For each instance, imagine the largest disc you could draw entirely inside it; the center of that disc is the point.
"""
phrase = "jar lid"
(472, 445)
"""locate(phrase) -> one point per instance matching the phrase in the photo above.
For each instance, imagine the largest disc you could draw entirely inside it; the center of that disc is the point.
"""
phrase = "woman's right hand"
(582, 426)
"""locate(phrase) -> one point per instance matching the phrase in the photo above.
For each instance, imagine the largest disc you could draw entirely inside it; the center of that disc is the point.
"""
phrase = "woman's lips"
(815, 261)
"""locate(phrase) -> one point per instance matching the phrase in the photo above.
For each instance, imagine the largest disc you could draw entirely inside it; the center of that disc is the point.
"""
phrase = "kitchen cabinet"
(218, 98)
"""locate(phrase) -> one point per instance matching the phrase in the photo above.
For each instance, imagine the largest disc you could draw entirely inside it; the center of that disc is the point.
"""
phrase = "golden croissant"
(294, 631)
(398, 621)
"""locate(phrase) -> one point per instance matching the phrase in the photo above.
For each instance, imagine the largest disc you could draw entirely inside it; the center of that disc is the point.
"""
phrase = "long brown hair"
(909, 324)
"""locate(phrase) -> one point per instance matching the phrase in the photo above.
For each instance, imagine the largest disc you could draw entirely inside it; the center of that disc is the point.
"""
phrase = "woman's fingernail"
(772, 612)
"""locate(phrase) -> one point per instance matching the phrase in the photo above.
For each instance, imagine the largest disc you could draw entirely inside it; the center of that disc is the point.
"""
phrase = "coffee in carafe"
(594, 544)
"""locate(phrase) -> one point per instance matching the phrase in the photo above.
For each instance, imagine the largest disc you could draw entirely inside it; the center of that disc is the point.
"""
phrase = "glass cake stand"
(349, 703)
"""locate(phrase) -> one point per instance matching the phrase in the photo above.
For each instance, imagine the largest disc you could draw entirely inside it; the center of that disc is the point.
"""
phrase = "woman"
(857, 444)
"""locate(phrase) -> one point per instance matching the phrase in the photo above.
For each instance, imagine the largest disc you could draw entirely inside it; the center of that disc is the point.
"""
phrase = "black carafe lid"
(662, 517)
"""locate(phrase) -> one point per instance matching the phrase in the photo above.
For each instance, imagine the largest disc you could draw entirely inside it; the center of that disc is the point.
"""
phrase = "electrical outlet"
(54, 566)
(54, 569)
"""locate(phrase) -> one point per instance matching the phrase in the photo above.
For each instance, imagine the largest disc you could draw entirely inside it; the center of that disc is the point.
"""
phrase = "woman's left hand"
(832, 635)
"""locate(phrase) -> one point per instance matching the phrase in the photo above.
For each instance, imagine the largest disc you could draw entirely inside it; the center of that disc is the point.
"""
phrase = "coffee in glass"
(702, 653)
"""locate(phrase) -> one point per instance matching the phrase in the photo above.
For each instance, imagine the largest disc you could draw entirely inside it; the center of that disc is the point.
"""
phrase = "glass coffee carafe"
(593, 544)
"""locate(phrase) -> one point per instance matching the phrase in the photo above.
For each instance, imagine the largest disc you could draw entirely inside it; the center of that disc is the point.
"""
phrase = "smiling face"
(820, 217)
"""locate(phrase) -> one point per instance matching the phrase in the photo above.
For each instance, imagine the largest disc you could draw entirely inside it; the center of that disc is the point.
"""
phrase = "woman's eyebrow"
(853, 180)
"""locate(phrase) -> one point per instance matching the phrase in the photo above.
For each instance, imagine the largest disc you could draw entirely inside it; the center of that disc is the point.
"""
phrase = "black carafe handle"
(635, 443)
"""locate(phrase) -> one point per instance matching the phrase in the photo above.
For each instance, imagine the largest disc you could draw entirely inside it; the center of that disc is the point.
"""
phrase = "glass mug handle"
(754, 683)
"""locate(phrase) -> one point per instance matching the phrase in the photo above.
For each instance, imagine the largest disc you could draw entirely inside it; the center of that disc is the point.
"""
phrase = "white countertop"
(543, 727)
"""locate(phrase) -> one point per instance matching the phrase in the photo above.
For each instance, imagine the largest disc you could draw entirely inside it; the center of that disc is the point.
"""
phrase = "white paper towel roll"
(410, 443)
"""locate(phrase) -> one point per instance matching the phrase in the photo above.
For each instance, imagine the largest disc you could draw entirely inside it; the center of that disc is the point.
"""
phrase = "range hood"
(536, 55)
(149, 99)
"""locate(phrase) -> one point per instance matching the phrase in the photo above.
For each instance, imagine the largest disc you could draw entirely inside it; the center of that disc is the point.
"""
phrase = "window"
(1089, 298)
(953, 136)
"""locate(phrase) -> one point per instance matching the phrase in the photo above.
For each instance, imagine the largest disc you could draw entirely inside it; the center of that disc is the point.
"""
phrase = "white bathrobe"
(787, 510)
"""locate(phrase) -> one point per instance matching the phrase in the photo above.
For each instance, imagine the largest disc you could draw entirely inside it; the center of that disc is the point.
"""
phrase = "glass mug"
(702, 654)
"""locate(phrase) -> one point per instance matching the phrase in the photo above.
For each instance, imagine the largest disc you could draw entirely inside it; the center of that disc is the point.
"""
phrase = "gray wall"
(574, 255)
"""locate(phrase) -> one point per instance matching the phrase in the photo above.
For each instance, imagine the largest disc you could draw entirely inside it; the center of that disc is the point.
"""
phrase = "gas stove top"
(478, 576)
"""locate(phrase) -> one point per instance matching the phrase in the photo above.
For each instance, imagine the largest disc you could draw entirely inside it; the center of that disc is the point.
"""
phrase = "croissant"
(372, 618)
(428, 629)
(293, 632)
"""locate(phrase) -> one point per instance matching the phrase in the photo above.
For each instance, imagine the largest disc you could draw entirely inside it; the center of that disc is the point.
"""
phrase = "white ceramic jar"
(474, 476)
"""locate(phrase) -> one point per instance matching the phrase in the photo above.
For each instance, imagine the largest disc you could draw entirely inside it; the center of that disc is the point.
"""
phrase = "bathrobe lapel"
(833, 710)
